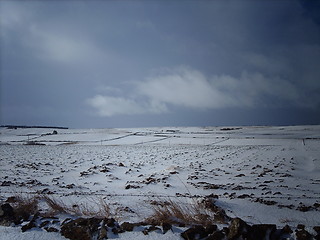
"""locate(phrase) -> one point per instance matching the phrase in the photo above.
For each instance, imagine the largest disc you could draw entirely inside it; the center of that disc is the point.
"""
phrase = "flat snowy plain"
(261, 174)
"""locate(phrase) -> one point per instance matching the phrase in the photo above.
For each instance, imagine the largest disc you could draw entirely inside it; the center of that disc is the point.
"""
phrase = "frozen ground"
(261, 174)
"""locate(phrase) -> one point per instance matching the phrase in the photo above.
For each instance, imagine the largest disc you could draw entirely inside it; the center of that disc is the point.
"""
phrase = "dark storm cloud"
(90, 63)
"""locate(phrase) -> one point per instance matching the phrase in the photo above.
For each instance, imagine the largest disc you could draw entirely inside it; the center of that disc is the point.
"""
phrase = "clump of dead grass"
(24, 206)
(27, 205)
(99, 208)
(178, 212)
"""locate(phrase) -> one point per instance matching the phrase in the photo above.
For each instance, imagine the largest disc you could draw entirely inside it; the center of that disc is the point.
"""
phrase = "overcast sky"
(95, 64)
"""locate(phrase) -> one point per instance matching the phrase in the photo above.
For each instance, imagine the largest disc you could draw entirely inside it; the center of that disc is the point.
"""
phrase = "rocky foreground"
(81, 228)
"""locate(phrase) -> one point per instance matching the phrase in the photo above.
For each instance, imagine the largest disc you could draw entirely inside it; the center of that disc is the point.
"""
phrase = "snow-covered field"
(260, 174)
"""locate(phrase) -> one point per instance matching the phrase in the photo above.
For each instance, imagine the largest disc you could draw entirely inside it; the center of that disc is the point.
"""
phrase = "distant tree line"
(22, 126)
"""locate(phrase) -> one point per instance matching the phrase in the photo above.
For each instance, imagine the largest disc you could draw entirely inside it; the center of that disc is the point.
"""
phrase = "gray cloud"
(63, 60)
(189, 88)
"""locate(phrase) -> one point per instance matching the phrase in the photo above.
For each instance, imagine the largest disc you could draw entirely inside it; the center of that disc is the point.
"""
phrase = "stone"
(261, 231)
(131, 186)
(103, 231)
(166, 227)
(150, 229)
(221, 217)
(128, 227)
(28, 226)
(51, 229)
(304, 208)
(80, 229)
(244, 196)
(31, 224)
(116, 230)
(317, 229)
(196, 232)
(237, 228)
(286, 230)
(11, 199)
(211, 228)
(218, 235)
(44, 223)
(6, 211)
(111, 222)
(302, 234)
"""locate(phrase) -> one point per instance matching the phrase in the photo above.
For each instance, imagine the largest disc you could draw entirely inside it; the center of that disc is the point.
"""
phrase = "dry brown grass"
(25, 205)
(55, 206)
(99, 208)
(177, 212)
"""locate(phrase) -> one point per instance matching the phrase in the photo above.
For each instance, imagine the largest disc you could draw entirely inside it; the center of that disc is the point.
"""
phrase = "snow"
(14, 233)
(280, 164)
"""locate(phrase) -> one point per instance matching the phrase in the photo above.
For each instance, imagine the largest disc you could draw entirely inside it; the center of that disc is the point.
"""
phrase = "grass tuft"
(177, 212)
(24, 206)
(99, 209)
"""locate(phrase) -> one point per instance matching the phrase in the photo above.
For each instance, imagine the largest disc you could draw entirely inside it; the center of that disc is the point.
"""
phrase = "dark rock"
(261, 231)
(218, 235)
(126, 226)
(149, 180)
(51, 229)
(304, 208)
(11, 199)
(111, 222)
(244, 196)
(240, 175)
(221, 217)
(80, 229)
(104, 170)
(103, 231)
(226, 230)
(75, 232)
(28, 226)
(212, 196)
(31, 224)
(286, 230)
(196, 232)
(266, 202)
(317, 229)
(116, 230)
(44, 223)
(211, 228)
(131, 186)
(301, 227)
(150, 229)
(6, 212)
(303, 235)
(166, 227)
(206, 185)
(6, 183)
(237, 228)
